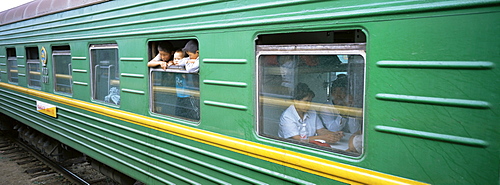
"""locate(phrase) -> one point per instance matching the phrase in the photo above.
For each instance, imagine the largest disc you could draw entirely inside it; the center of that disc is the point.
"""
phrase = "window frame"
(63, 52)
(92, 70)
(30, 60)
(153, 52)
(151, 94)
(9, 57)
(305, 49)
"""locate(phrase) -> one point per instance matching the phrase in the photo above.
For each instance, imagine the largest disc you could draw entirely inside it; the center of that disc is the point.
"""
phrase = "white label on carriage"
(46, 108)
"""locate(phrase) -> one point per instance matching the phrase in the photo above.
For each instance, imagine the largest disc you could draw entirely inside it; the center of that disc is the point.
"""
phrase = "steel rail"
(53, 165)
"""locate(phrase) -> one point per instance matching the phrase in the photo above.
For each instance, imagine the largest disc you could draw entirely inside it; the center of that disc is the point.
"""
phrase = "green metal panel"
(134, 75)
(21, 65)
(439, 41)
(80, 61)
(227, 75)
(3, 64)
(49, 85)
(152, 156)
(431, 93)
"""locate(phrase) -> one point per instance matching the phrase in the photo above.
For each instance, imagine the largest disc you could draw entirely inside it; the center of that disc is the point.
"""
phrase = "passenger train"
(397, 92)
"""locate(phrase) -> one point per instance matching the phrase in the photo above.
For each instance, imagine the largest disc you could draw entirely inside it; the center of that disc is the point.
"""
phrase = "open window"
(105, 73)
(319, 84)
(12, 71)
(174, 79)
(63, 80)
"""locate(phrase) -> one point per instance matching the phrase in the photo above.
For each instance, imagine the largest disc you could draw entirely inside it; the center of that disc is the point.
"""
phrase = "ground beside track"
(11, 173)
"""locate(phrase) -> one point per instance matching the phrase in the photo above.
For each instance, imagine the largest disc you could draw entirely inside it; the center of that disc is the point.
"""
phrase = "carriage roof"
(38, 8)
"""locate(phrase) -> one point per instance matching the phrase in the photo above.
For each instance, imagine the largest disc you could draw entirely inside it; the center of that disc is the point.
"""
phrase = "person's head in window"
(298, 122)
(303, 97)
(339, 91)
(191, 49)
(166, 51)
(164, 57)
(178, 56)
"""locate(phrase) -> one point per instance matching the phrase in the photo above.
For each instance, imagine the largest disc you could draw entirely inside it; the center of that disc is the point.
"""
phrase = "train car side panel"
(419, 81)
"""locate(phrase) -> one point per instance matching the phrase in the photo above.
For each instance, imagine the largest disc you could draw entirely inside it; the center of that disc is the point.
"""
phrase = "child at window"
(192, 63)
(187, 105)
(178, 60)
(165, 52)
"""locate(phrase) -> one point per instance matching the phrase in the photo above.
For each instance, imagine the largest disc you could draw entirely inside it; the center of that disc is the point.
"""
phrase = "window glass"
(105, 73)
(174, 79)
(61, 57)
(33, 68)
(313, 95)
(12, 71)
(176, 93)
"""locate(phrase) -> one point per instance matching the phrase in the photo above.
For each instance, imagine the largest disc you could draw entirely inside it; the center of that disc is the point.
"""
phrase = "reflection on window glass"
(62, 71)
(313, 99)
(33, 63)
(12, 65)
(176, 94)
(105, 73)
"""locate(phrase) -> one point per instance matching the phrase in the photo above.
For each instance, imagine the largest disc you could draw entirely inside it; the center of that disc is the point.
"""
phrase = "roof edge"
(38, 8)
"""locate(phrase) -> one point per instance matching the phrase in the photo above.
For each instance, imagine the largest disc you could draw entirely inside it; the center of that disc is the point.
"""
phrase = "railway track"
(43, 170)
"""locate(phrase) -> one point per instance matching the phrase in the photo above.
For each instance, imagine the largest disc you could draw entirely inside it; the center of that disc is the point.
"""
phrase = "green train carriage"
(422, 76)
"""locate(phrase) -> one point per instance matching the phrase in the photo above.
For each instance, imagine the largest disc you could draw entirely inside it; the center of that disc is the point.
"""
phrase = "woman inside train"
(301, 123)
(332, 119)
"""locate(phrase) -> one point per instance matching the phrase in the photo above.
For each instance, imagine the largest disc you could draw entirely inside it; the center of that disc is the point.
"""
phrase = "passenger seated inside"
(301, 123)
(356, 142)
(332, 119)
(164, 57)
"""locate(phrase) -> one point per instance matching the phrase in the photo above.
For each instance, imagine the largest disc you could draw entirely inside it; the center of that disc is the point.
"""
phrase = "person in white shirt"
(165, 53)
(331, 117)
(299, 113)
(186, 107)
(192, 63)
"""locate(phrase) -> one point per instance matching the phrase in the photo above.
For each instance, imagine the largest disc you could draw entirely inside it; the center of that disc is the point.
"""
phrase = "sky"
(8, 4)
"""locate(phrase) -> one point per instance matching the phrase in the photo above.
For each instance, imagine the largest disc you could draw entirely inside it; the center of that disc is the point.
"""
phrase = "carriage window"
(61, 57)
(313, 95)
(12, 71)
(33, 63)
(174, 67)
(105, 73)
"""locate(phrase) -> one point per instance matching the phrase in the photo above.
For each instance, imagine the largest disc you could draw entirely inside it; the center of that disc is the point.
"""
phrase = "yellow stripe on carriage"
(311, 164)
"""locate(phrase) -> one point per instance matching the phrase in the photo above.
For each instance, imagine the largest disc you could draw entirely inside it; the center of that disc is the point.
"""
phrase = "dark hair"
(180, 50)
(165, 46)
(302, 91)
(341, 81)
(191, 46)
